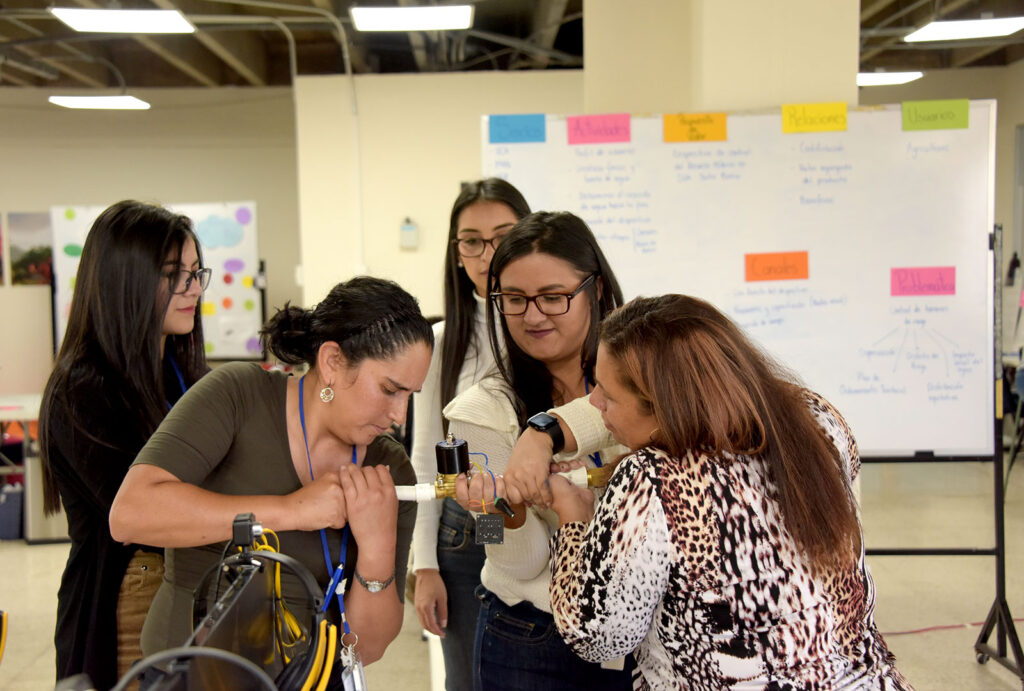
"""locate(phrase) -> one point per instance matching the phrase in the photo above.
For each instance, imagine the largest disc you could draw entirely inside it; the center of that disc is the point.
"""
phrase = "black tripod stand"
(999, 619)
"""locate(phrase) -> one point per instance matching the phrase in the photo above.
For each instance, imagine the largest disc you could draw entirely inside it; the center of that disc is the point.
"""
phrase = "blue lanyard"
(595, 457)
(177, 373)
(336, 586)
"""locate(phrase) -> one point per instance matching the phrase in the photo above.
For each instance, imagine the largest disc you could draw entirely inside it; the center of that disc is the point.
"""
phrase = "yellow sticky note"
(813, 117)
(694, 127)
(209, 308)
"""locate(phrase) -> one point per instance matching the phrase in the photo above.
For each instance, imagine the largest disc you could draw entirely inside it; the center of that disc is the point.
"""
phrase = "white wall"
(418, 138)
(195, 145)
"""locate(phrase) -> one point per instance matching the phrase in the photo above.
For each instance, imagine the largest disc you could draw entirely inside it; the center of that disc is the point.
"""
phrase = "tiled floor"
(923, 505)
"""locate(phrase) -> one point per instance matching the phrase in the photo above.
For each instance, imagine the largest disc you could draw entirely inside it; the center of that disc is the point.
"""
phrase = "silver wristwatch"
(374, 586)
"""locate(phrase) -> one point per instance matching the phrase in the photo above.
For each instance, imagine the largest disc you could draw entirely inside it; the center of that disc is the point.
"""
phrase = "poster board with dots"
(232, 306)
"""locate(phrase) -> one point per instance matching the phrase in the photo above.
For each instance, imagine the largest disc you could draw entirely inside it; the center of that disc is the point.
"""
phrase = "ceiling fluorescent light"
(966, 29)
(121, 102)
(433, 18)
(886, 78)
(124, 21)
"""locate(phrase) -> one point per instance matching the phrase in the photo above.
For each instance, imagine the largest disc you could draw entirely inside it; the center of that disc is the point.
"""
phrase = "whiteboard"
(859, 259)
(232, 308)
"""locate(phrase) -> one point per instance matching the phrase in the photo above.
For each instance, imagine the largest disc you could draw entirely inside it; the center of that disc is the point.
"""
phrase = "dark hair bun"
(287, 335)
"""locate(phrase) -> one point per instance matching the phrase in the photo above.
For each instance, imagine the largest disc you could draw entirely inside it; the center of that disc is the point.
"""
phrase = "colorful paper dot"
(243, 215)
(228, 278)
(253, 345)
(250, 305)
(234, 265)
(227, 303)
(247, 281)
(69, 214)
(73, 249)
(209, 347)
(74, 279)
(209, 309)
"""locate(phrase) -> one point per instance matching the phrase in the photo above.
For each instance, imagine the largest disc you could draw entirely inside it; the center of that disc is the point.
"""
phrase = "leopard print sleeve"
(839, 433)
(609, 576)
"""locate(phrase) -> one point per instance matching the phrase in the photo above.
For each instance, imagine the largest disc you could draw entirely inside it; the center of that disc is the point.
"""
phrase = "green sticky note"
(936, 115)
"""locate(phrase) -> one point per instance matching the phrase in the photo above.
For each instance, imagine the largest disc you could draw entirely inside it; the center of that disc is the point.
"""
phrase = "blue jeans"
(459, 560)
(519, 648)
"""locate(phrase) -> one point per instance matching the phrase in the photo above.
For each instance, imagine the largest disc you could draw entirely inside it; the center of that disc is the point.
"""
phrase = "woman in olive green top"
(301, 454)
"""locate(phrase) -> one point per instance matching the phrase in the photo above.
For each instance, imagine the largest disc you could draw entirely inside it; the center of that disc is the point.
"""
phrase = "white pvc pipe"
(425, 491)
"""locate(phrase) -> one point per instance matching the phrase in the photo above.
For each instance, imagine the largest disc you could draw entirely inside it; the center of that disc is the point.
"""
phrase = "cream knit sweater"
(519, 568)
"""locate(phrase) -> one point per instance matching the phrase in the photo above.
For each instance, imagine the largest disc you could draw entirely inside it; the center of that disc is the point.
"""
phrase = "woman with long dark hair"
(727, 548)
(550, 286)
(446, 558)
(133, 345)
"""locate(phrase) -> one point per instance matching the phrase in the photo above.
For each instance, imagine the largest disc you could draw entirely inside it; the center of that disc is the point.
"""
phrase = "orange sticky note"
(776, 266)
(694, 127)
(813, 117)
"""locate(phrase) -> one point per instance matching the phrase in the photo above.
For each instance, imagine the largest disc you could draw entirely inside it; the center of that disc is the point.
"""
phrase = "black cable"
(179, 653)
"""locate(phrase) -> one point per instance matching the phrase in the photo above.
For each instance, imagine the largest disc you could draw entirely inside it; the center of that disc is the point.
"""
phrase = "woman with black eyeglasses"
(134, 344)
(446, 558)
(550, 286)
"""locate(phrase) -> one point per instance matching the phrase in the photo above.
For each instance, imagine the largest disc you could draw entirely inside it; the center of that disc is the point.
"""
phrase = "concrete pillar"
(663, 56)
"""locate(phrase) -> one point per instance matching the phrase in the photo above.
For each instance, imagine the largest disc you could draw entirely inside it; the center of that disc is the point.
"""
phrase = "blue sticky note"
(516, 129)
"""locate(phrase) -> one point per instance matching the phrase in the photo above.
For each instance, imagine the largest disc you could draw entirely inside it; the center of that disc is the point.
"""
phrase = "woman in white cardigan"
(550, 288)
(446, 558)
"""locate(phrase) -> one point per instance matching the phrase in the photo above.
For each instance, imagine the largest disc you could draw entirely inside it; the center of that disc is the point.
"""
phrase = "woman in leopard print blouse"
(727, 549)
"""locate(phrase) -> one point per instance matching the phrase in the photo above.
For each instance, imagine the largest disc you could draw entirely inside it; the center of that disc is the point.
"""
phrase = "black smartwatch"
(542, 422)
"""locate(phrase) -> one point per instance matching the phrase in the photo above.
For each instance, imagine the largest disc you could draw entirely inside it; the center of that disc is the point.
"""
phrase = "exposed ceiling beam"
(944, 9)
(547, 20)
(29, 66)
(322, 4)
(183, 53)
(873, 8)
(6, 76)
(418, 42)
(244, 52)
(179, 50)
(71, 61)
(527, 47)
(962, 57)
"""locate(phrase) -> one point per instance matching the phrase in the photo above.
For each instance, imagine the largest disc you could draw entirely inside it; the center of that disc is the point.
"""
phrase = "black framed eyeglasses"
(550, 304)
(181, 280)
(475, 247)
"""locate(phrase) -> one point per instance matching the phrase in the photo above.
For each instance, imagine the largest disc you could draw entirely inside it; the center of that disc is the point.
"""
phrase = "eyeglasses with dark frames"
(475, 247)
(182, 279)
(550, 304)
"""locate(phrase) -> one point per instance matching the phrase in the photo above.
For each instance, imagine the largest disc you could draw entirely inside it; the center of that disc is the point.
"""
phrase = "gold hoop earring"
(327, 394)
(651, 435)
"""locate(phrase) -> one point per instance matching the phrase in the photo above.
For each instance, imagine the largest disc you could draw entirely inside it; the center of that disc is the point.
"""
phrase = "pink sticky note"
(598, 129)
(924, 280)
